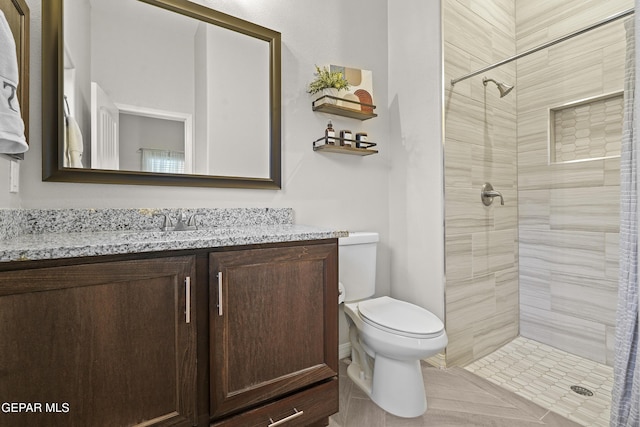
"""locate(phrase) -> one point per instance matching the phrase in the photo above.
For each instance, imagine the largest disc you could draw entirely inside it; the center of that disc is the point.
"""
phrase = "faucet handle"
(191, 222)
(488, 193)
(166, 222)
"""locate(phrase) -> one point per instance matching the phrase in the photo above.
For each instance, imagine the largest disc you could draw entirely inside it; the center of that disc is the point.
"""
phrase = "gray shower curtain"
(626, 388)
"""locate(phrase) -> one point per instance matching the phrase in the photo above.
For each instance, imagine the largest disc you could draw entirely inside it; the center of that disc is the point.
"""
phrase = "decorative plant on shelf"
(327, 82)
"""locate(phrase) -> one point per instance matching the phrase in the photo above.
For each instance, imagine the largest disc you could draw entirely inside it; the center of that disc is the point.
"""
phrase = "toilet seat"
(400, 318)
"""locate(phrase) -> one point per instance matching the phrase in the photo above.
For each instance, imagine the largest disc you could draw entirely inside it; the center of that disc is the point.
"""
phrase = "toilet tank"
(357, 264)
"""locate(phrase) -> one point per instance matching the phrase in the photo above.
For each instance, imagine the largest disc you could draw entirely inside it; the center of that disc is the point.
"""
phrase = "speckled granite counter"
(69, 233)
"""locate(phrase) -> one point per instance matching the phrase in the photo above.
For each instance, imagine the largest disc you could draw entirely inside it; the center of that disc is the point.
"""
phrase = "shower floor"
(544, 375)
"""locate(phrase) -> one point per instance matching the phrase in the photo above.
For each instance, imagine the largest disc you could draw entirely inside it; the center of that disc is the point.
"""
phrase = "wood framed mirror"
(152, 73)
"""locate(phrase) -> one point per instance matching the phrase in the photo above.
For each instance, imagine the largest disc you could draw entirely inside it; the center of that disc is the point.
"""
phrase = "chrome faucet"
(488, 193)
(167, 225)
(182, 224)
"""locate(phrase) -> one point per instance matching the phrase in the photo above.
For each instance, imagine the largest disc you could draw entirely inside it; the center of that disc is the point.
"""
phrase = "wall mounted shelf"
(329, 104)
(365, 149)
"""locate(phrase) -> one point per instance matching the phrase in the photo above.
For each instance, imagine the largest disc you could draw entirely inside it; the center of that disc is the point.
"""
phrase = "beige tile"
(582, 337)
(534, 210)
(507, 290)
(464, 118)
(458, 257)
(501, 13)
(496, 331)
(469, 301)
(578, 252)
(586, 209)
(505, 217)
(465, 213)
(458, 164)
(495, 166)
(584, 297)
(463, 28)
(493, 251)
(612, 255)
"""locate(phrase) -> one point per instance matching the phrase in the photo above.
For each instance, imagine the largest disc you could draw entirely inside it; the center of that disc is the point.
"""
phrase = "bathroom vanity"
(235, 326)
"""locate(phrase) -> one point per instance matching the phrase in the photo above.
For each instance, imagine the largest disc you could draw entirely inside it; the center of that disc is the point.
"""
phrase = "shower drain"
(581, 390)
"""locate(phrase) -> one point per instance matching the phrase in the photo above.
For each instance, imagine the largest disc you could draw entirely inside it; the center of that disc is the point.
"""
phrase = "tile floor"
(455, 397)
(544, 375)
(524, 383)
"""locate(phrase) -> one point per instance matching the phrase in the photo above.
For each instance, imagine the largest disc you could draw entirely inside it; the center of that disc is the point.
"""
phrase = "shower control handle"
(488, 193)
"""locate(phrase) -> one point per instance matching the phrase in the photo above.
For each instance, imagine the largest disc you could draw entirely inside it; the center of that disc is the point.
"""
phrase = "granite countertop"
(63, 243)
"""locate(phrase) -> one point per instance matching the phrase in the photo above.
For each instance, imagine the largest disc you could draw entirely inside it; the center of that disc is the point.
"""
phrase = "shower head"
(503, 88)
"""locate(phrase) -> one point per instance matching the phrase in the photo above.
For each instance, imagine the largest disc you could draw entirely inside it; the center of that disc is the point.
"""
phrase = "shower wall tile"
(564, 175)
(480, 146)
(459, 351)
(568, 213)
(556, 89)
(586, 209)
(534, 211)
(584, 297)
(458, 158)
(535, 287)
(464, 119)
(612, 255)
(612, 172)
(495, 332)
(495, 166)
(464, 29)
(505, 217)
(507, 299)
(457, 63)
(504, 128)
(610, 344)
(614, 63)
(465, 213)
(539, 22)
(458, 257)
(499, 13)
(578, 336)
(563, 252)
(470, 301)
(493, 251)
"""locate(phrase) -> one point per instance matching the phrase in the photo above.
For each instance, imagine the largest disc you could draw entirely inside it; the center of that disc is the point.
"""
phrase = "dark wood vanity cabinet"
(273, 335)
(98, 344)
(148, 339)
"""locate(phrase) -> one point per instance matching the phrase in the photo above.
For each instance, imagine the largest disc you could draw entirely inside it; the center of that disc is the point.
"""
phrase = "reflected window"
(163, 161)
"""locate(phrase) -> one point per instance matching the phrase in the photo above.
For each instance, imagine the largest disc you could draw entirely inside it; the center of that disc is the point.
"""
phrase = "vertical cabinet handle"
(219, 293)
(187, 293)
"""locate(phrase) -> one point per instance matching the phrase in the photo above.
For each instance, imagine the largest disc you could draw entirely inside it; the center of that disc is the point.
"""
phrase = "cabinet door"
(104, 344)
(276, 331)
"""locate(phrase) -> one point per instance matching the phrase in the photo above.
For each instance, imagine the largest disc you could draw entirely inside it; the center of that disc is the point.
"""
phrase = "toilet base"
(397, 385)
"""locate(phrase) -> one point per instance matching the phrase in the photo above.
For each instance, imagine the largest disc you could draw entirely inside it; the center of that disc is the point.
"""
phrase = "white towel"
(12, 140)
(73, 146)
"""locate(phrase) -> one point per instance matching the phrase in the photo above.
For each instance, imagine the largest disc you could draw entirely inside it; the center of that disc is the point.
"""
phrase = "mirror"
(159, 92)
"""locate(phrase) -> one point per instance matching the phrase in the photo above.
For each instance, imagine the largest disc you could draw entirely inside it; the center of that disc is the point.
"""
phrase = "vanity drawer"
(314, 404)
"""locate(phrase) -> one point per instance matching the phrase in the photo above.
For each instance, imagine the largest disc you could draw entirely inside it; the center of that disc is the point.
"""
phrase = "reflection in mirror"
(148, 92)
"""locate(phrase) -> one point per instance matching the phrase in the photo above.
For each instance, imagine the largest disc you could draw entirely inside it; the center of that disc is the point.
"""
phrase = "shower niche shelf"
(364, 149)
(354, 110)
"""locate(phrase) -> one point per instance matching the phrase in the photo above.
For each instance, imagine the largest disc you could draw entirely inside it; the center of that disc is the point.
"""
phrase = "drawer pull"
(295, 414)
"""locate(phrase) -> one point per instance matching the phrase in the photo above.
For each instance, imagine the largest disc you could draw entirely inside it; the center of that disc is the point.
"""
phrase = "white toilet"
(388, 337)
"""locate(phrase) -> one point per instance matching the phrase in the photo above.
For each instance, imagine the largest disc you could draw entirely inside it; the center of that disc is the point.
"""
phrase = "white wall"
(415, 180)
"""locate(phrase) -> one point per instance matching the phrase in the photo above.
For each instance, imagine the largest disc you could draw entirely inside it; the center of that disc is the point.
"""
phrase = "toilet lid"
(400, 317)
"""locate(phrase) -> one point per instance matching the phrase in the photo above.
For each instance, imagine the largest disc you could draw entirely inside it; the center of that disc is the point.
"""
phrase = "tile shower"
(544, 265)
